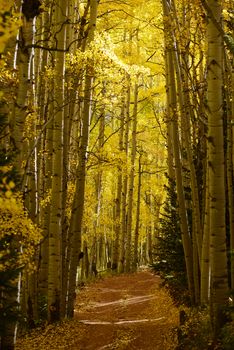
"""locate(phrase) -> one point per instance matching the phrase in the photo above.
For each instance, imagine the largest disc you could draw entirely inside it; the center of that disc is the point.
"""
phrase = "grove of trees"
(98, 101)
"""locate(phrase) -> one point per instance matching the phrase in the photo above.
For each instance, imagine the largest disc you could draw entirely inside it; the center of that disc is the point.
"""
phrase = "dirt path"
(126, 312)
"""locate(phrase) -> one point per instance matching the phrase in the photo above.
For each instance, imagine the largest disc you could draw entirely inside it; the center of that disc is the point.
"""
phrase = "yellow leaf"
(11, 184)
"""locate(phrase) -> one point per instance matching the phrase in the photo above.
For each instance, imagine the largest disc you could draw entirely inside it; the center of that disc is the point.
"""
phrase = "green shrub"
(169, 260)
(227, 336)
(195, 331)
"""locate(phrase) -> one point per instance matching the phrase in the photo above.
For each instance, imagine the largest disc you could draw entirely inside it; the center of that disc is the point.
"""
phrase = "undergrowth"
(195, 331)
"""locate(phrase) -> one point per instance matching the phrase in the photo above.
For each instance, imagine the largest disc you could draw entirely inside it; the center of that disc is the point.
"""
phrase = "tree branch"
(228, 39)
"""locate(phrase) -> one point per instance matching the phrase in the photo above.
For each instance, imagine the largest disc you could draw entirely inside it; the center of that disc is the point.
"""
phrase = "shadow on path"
(128, 311)
(121, 312)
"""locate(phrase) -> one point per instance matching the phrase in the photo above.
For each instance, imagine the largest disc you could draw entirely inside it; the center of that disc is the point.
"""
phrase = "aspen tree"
(71, 119)
(96, 255)
(205, 257)
(31, 176)
(128, 254)
(118, 200)
(181, 64)
(24, 104)
(216, 180)
(78, 203)
(55, 234)
(125, 179)
(23, 62)
(231, 174)
(99, 185)
(172, 108)
(137, 224)
(230, 155)
(76, 40)
(45, 89)
(151, 226)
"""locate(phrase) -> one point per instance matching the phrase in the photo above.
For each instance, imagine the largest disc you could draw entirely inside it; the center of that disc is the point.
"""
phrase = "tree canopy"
(105, 102)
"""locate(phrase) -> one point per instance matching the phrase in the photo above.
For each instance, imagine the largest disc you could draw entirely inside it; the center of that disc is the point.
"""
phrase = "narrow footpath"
(129, 312)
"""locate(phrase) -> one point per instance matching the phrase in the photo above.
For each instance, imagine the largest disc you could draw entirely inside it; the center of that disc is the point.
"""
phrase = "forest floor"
(129, 311)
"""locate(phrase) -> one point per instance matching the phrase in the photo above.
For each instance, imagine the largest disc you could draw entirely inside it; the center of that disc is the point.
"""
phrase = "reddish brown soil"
(124, 312)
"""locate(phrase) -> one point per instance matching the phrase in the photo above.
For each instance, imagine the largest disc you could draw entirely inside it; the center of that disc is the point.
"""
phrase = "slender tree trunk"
(129, 237)
(125, 182)
(186, 113)
(116, 243)
(78, 203)
(55, 227)
(183, 86)
(98, 189)
(231, 173)
(118, 200)
(172, 108)
(137, 227)
(219, 287)
(205, 258)
(19, 113)
(45, 191)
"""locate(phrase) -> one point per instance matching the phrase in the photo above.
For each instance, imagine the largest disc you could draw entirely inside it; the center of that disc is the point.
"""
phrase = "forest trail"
(125, 312)
(121, 312)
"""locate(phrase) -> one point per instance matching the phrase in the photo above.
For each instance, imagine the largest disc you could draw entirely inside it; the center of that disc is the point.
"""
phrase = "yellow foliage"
(8, 78)
(8, 24)
(46, 200)
(17, 233)
(107, 66)
(30, 122)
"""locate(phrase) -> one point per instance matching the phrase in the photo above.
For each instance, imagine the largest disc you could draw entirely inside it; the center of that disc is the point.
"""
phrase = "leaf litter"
(124, 312)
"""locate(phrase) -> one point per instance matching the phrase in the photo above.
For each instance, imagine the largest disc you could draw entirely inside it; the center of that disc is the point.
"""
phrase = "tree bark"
(78, 203)
(174, 132)
(219, 287)
(55, 227)
(129, 237)
(137, 226)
